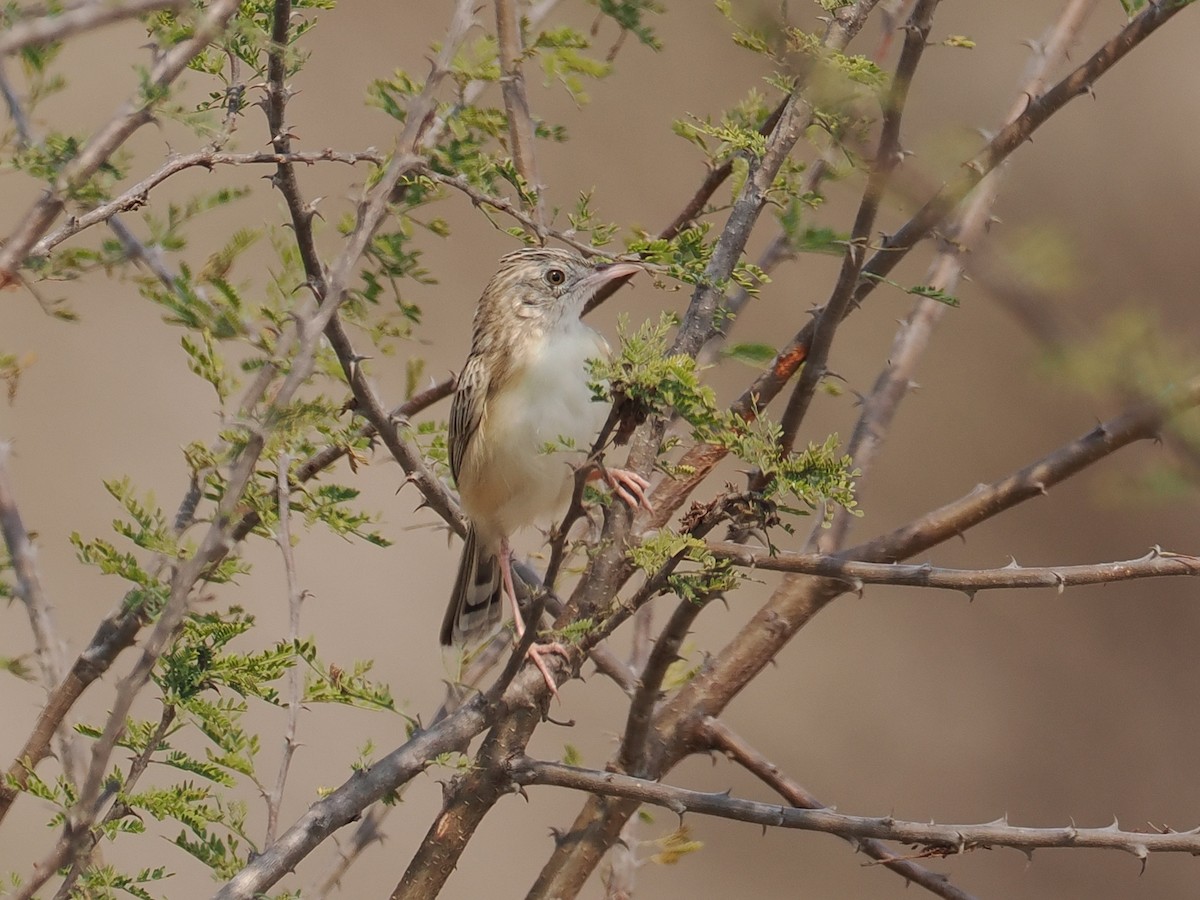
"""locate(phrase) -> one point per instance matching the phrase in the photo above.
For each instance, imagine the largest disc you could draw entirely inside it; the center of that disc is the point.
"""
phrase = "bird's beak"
(607, 273)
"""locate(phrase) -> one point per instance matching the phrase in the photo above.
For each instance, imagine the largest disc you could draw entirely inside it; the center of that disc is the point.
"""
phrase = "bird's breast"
(521, 469)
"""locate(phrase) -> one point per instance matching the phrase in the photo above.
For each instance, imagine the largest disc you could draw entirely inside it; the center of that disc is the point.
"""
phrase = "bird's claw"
(535, 654)
(629, 486)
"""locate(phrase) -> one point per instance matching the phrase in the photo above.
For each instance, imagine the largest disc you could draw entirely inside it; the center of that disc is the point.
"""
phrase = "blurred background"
(1045, 708)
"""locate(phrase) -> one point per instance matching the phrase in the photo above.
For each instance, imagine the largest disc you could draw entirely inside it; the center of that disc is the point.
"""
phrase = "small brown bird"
(524, 388)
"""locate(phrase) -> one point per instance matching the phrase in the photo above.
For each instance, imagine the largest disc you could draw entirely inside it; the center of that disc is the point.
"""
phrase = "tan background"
(1045, 708)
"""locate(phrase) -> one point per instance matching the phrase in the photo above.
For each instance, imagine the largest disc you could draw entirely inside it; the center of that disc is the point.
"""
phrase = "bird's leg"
(536, 651)
(629, 486)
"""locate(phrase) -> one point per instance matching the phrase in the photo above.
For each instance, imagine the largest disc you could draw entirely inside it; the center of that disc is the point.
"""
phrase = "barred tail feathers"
(476, 602)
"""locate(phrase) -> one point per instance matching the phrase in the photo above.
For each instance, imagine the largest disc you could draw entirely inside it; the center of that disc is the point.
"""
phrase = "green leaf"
(757, 355)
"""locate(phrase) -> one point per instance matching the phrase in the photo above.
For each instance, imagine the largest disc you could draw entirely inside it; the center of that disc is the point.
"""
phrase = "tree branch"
(516, 103)
(1155, 564)
(58, 26)
(937, 840)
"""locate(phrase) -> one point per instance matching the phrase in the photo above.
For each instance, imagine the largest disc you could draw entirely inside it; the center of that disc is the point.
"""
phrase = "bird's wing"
(466, 410)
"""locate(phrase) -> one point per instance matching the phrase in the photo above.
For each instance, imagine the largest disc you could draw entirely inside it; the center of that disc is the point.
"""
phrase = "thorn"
(1062, 583)
(970, 595)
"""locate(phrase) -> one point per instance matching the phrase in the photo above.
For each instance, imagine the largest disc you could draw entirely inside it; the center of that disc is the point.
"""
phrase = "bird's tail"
(475, 605)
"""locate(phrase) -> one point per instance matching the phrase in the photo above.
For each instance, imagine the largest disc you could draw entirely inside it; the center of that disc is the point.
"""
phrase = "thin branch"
(138, 195)
(1155, 564)
(86, 17)
(938, 840)
(295, 684)
(631, 754)
(16, 111)
(366, 833)
(129, 118)
(120, 808)
(516, 103)
(49, 646)
(722, 738)
(887, 157)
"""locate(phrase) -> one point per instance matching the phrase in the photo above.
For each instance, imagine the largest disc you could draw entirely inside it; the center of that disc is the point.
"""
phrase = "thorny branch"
(85, 17)
(1155, 564)
(938, 840)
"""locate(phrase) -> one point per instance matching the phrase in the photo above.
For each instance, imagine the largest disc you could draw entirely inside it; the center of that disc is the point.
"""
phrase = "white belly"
(524, 474)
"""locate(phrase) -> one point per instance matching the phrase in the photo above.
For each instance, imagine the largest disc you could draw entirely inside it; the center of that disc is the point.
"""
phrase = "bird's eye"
(555, 277)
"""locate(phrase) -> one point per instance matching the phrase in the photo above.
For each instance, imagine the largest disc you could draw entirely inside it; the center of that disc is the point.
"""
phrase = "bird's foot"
(629, 486)
(537, 652)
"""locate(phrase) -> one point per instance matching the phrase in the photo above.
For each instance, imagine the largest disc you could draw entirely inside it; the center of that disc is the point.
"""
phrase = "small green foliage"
(562, 60)
(11, 369)
(1132, 7)
(921, 290)
(666, 549)
(674, 846)
(104, 882)
(644, 374)
(17, 665)
(959, 40)
(650, 381)
(333, 684)
(858, 70)
(573, 633)
(756, 355)
(571, 755)
(48, 159)
(584, 220)
(631, 16)
(199, 660)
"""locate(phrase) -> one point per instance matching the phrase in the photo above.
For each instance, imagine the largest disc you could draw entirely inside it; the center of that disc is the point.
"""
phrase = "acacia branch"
(937, 840)
(516, 103)
(1155, 564)
(138, 195)
(295, 597)
(58, 26)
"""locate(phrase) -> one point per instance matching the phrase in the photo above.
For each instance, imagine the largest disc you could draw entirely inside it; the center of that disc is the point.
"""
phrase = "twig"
(631, 754)
(283, 538)
(365, 834)
(120, 808)
(137, 195)
(49, 647)
(85, 17)
(938, 840)
(516, 103)
(1155, 564)
(16, 111)
(722, 738)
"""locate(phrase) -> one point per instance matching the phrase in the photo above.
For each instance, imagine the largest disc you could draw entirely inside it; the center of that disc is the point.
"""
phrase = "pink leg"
(536, 651)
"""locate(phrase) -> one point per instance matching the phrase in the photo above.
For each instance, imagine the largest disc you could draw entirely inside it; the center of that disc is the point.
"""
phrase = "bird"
(524, 389)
